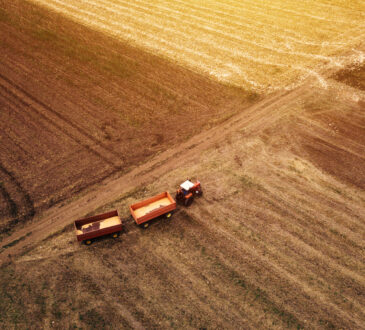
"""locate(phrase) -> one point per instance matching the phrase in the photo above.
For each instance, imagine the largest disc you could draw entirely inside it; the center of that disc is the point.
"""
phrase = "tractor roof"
(187, 185)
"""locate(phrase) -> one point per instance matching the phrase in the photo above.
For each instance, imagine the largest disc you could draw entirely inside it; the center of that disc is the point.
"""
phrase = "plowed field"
(77, 107)
(278, 238)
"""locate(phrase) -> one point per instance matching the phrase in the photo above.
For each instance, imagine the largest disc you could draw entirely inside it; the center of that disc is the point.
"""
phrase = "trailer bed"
(153, 207)
(98, 225)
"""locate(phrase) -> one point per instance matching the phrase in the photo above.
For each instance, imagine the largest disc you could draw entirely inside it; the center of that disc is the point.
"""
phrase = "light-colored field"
(260, 45)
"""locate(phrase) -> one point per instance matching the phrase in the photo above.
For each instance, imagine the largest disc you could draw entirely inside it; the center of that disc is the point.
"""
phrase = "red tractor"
(187, 191)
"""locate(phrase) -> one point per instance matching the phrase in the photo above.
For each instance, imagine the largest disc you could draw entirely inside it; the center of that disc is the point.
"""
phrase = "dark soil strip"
(353, 76)
(25, 197)
(59, 127)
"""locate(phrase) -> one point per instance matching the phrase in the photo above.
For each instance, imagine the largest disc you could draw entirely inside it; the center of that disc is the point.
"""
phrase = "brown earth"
(277, 240)
(353, 76)
(78, 107)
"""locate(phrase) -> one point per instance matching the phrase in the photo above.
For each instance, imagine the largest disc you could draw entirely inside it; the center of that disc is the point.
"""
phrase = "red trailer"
(99, 225)
(151, 208)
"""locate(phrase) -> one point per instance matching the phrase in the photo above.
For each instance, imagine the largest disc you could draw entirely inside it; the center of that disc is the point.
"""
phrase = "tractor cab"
(187, 191)
(186, 186)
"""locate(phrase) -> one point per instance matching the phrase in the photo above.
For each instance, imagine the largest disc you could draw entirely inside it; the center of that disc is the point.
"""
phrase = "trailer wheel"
(145, 225)
(169, 215)
(88, 241)
(115, 235)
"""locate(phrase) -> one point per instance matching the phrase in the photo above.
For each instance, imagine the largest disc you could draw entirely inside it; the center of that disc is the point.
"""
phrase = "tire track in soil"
(15, 92)
(19, 93)
(254, 118)
(273, 268)
(79, 187)
(13, 206)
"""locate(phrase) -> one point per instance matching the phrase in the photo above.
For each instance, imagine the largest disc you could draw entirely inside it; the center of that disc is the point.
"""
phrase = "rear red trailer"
(99, 225)
(151, 208)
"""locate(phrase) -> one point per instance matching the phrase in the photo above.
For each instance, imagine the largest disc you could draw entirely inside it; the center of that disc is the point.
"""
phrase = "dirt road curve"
(256, 118)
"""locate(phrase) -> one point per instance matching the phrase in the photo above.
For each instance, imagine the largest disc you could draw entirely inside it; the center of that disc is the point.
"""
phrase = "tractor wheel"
(179, 198)
(115, 235)
(88, 241)
(188, 201)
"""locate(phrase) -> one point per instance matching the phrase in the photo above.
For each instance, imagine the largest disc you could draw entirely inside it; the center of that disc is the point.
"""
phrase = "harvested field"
(259, 45)
(77, 107)
(276, 241)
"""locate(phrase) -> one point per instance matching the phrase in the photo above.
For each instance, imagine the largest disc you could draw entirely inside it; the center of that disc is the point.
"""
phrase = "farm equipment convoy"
(87, 229)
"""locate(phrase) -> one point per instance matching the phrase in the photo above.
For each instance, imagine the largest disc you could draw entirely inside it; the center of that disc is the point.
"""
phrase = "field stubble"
(277, 239)
(262, 46)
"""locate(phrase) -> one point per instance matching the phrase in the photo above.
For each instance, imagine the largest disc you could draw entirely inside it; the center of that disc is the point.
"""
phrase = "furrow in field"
(288, 249)
(205, 43)
(210, 59)
(330, 6)
(323, 39)
(252, 27)
(284, 214)
(297, 223)
(231, 52)
(271, 270)
(84, 112)
(224, 9)
(340, 220)
(233, 42)
(298, 10)
(211, 65)
(86, 116)
(22, 131)
(202, 20)
(172, 275)
(210, 277)
(57, 121)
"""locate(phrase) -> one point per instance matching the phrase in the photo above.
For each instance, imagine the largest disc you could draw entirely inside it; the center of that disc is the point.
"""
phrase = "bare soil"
(78, 107)
(276, 241)
(353, 76)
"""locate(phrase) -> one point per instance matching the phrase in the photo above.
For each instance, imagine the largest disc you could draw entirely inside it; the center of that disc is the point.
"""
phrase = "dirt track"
(189, 152)
(254, 120)
(278, 233)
